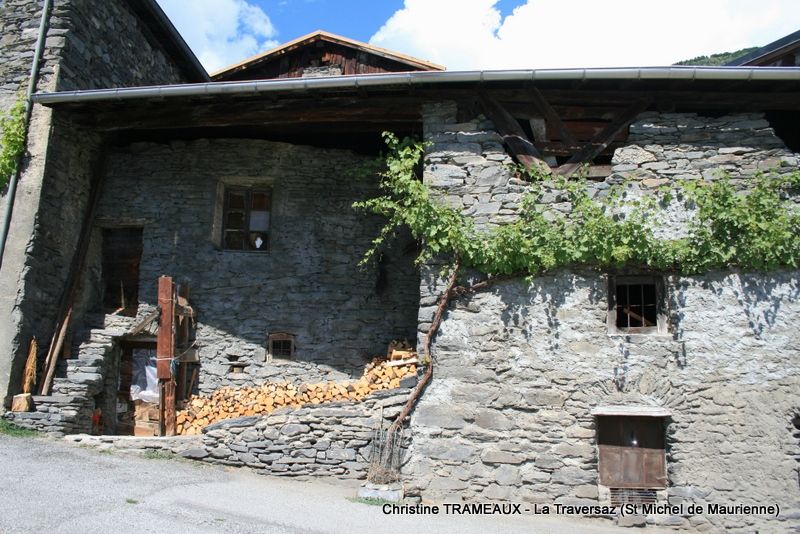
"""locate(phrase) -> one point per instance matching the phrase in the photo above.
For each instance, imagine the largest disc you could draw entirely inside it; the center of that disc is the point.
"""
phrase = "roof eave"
(409, 79)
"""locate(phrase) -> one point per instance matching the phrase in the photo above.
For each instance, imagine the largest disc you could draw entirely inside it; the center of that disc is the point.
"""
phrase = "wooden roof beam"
(513, 135)
(601, 141)
(551, 116)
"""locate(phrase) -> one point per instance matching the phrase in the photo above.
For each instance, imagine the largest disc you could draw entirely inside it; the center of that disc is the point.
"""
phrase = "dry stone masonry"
(324, 440)
(521, 366)
(308, 284)
(88, 45)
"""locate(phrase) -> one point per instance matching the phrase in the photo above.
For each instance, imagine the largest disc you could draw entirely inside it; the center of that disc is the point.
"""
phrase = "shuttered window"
(632, 452)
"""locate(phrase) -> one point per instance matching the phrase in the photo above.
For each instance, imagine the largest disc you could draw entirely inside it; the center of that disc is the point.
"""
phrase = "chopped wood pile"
(229, 402)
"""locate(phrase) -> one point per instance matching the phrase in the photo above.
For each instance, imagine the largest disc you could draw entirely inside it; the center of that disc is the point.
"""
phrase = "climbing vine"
(12, 139)
(752, 229)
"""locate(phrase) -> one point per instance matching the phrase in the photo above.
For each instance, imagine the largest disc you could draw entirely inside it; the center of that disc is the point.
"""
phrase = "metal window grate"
(620, 496)
(282, 348)
(636, 305)
(280, 345)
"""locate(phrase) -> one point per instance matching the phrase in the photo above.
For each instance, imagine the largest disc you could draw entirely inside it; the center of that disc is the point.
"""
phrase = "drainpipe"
(12, 184)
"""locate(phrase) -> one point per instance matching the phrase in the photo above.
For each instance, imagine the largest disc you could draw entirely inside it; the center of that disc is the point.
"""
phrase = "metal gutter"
(409, 79)
(34, 77)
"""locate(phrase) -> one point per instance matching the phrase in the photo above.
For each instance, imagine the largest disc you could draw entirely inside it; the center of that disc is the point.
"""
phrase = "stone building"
(243, 190)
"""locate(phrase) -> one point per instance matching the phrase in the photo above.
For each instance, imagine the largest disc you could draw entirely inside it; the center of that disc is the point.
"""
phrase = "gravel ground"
(56, 487)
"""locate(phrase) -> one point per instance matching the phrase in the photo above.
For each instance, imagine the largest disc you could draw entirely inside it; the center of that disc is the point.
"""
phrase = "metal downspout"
(12, 184)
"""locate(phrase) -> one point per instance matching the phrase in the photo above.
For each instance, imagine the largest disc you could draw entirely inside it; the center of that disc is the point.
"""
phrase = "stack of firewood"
(229, 402)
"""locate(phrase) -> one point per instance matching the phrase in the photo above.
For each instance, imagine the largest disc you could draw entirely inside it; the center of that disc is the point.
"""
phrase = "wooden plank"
(165, 348)
(554, 148)
(165, 352)
(513, 135)
(551, 116)
(52, 353)
(75, 275)
(170, 415)
(601, 141)
(145, 322)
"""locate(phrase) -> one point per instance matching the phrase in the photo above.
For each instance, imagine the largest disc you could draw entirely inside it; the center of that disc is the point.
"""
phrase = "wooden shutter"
(632, 452)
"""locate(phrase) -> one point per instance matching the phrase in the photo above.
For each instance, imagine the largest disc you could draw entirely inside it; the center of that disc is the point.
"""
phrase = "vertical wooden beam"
(165, 352)
(166, 327)
(183, 340)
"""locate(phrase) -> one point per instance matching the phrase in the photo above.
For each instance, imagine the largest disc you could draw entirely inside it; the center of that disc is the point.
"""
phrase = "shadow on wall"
(757, 294)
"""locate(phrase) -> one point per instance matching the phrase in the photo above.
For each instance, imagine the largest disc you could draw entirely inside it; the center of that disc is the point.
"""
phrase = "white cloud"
(221, 32)
(471, 34)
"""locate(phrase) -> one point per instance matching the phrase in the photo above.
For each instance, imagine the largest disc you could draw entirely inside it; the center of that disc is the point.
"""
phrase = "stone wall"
(308, 283)
(104, 44)
(521, 366)
(322, 440)
(89, 45)
(326, 440)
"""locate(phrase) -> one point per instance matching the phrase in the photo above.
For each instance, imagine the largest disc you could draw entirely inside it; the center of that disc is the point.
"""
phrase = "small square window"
(280, 345)
(636, 305)
(246, 218)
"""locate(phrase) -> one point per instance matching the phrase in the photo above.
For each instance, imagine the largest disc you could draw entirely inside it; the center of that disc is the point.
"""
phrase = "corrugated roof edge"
(424, 78)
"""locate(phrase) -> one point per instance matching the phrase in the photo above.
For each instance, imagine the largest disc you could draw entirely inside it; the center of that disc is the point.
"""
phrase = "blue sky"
(357, 19)
(491, 34)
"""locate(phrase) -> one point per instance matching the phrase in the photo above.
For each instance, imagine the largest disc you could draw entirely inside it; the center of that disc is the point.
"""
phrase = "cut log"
(22, 403)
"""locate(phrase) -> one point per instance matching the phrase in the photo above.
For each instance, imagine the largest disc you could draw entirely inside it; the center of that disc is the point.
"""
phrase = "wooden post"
(165, 352)
(183, 338)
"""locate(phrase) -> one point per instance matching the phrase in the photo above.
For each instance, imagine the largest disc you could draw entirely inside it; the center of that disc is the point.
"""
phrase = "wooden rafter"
(551, 116)
(513, 135)
(601, 141)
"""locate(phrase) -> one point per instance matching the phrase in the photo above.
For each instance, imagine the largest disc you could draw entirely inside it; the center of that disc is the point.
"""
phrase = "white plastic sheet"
(144, 380)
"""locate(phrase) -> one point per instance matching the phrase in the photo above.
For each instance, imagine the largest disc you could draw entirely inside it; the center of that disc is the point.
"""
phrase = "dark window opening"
(632, 452)
(122, 253)
(282, 348)
(636, 305)
(246, 219)
(281, 345)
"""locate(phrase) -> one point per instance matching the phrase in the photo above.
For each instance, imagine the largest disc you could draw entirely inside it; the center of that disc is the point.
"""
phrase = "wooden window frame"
(248, 192)
(661, 327)
(280, 336)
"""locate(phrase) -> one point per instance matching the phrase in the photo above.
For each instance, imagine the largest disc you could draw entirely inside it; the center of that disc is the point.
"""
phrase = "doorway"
(122, 253)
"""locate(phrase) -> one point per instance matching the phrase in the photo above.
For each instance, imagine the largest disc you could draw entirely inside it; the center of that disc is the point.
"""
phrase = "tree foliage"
(748, 228)
(716, 60)
(12, 139)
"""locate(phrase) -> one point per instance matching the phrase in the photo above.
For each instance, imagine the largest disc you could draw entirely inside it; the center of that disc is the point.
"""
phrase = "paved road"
(56, 487)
